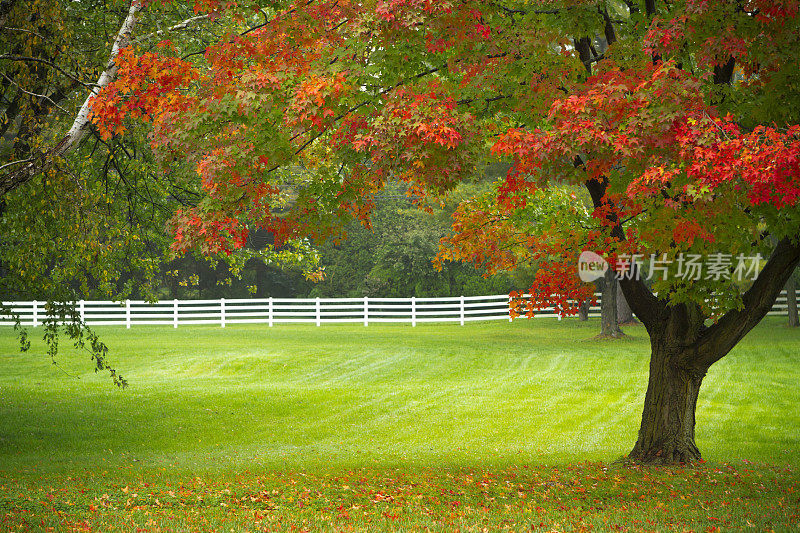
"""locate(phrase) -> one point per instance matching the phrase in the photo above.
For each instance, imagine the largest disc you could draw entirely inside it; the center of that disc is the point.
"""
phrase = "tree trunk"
(172, 282)
(262, 280)
(609, 326)
(624, 312)
(583, 311)
(666, 434)
(791, 301)
(684, 347)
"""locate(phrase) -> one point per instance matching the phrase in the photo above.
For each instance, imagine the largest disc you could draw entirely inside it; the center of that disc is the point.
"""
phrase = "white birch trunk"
(78, 129)
(42, 161)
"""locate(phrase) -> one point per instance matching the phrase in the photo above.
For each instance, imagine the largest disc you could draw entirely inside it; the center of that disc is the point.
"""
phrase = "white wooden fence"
(273, 311)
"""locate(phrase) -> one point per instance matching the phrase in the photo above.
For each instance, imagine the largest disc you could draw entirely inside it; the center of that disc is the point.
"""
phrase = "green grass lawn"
(438, 426)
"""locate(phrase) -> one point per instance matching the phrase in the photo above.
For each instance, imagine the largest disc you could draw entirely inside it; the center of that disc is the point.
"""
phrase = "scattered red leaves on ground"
(578, 497)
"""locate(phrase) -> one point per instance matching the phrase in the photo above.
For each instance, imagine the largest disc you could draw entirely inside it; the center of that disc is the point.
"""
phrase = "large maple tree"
(678, 119)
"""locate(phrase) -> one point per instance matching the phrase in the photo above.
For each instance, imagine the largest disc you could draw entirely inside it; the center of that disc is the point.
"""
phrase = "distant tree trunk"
(791, 301)
(609, 325)
(212, 283)
(172, 282)
(624, 312)
(583, 311)
(262, 281)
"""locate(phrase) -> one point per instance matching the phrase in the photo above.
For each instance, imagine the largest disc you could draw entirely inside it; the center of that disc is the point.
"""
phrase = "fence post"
(82, 311)
(319, 313)
(413, 311)
(128, 314)
(222, 312)
(269, 312)
(509, 309)
(366, 311)
(35, 313)
(175, 313)
(461, 310)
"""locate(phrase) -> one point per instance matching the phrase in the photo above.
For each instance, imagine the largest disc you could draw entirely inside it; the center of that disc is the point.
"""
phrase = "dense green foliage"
(393, 257)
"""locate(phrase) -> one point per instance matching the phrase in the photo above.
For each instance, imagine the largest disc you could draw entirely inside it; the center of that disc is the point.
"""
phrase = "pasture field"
(491, 426)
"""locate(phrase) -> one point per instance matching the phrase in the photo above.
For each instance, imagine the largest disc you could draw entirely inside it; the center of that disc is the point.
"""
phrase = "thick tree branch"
(643, 303)
(81, 122)
(180, 26)
(608, 29)
(583, 46)
(723, 74)
(719, 339)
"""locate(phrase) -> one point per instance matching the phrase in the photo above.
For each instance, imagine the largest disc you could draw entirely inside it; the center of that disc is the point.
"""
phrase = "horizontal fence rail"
(273, 311)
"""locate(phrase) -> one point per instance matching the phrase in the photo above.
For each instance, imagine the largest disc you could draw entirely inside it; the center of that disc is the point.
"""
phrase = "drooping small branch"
(12, 57)
(35, 95)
